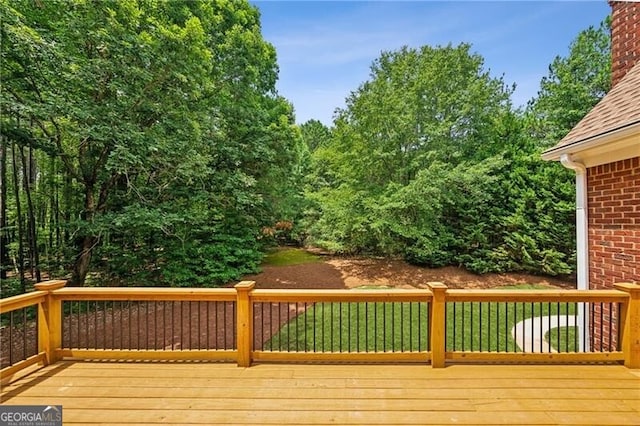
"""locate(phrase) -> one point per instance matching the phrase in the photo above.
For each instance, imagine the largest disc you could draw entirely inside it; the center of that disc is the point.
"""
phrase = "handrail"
(551, 295)
(145, 293)
(21, 301)
(271, 295)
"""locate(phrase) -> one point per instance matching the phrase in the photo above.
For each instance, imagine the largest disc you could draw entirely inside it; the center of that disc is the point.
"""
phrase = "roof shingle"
(618, 109)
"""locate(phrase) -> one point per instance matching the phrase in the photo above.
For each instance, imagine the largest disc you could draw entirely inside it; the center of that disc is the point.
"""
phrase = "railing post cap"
(437, 286)
(628, 287)
(50, 285)
(245, 285)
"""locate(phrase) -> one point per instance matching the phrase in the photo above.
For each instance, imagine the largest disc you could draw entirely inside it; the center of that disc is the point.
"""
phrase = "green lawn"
(563, 339)
(355, 327)
(474, 326)
(289, 256)
(376, 327)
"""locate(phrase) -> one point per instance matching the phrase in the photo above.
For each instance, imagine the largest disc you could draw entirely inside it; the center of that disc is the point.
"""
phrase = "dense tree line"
(144, 143)
(143, 140)
(430, 161)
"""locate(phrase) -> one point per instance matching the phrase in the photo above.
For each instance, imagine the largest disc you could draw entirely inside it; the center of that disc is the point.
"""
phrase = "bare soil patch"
(340, 273)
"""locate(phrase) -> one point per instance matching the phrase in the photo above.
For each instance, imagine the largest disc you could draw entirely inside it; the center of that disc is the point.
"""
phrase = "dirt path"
(339, 273)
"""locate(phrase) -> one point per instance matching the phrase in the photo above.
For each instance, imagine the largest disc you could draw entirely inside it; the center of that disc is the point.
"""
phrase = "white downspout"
(582, 242)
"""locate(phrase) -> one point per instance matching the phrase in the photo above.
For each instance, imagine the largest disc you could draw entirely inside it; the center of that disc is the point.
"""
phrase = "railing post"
(50, 321)
(437, 322)
(244, 320)
(630, 325)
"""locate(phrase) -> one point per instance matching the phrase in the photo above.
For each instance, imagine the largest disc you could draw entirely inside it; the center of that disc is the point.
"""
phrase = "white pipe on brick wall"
(582, 241)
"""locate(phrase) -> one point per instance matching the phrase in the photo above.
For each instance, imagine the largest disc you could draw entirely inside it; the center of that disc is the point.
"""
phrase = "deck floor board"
(269, 394)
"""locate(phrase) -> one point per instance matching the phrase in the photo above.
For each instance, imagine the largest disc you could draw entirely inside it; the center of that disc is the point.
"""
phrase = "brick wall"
(614, 223)
(625, 37)
(614, 235)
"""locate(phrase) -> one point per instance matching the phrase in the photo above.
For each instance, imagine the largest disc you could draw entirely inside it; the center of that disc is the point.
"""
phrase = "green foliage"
(536, 231)
(214, 260)
(11, 287)
(168, 144)
(315, 134)
(430, 162)
(420, 105)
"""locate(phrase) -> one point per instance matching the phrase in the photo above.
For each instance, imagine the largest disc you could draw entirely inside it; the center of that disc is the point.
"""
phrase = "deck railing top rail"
(356, 295)
(145, 293)
(546, 295)
(21, 301)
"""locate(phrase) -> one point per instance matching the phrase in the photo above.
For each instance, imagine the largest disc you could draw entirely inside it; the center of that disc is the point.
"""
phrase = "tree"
(429, 161)
(105, 106)
(421, 103)
(540, 227)
(423, 113)
(315, 134)
(574, 84)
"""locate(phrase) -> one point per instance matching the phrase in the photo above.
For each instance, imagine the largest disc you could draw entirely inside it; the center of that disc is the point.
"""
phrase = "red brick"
(602, 187)
(626, 196)
(620, 185)
(611, 181)
(625, 245)
(622, 173)
(625, 39)
(600, 176)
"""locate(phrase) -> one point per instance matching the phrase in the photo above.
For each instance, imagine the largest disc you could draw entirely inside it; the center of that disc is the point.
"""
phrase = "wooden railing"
(243, 324)
(339, 326)
(521, 318)
(28, 333)
(169, 321)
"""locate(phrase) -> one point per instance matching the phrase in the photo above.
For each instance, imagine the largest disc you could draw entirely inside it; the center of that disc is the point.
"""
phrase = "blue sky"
(325, 48)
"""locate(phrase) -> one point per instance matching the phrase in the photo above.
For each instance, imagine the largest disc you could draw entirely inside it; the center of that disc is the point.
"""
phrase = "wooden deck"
(209, 393)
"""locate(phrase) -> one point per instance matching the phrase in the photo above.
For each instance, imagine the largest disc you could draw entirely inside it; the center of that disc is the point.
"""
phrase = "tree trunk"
(67, 206)
(54, 216)
(16, 188)
(4, 237)
(34, 256)
(83, 261)
(85, 243)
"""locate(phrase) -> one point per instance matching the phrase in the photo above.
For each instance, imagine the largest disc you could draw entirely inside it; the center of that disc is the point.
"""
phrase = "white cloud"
(359, 35)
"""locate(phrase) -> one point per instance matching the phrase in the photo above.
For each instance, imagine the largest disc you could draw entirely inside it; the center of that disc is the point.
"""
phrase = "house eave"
(591, 143)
